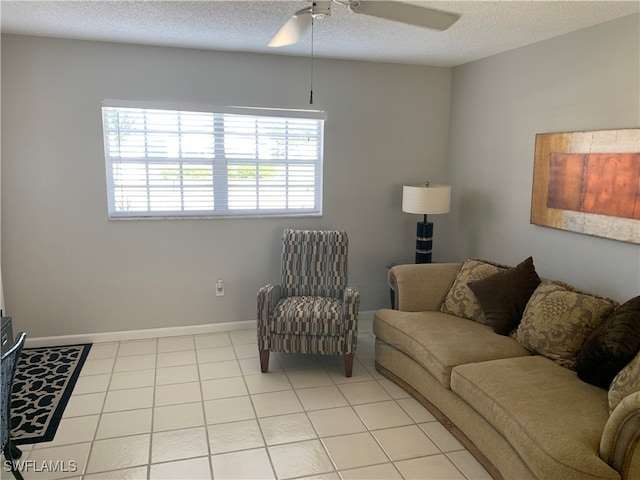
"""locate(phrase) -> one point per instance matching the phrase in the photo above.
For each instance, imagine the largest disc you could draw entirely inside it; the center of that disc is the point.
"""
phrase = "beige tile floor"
(197, 407)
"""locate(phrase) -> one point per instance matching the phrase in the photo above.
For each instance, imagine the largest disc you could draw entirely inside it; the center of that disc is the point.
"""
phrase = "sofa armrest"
(619, 445)
(423, 286)
(268, 297)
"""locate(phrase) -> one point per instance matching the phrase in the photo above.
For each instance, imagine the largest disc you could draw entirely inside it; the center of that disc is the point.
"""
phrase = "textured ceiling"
(485, 27)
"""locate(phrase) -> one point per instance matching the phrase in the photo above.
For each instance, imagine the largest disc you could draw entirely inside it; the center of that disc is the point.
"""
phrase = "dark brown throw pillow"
(504, 295)
(611, 346)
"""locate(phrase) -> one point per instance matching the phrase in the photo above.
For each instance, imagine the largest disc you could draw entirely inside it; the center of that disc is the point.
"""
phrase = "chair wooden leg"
(348, 364)
(9, 449)
(264, 361)
(15, 451)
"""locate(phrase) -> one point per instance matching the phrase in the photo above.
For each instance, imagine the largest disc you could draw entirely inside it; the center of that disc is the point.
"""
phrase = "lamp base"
(424, 242)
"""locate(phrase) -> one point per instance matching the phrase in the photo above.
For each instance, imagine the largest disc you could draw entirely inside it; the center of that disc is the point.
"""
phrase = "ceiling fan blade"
(406, 13)
(291, 31)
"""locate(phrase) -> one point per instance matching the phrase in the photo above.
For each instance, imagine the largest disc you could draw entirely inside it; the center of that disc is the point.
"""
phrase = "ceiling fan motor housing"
(320, 10)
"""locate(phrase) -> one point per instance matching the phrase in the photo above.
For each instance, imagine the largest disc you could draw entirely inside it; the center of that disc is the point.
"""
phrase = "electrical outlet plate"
(219, 288)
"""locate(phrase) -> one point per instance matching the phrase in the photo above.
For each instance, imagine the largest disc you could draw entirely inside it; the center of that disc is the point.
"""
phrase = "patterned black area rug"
(43, 383)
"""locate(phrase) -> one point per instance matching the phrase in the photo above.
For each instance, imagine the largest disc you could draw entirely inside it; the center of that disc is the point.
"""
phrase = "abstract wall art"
(588, 182)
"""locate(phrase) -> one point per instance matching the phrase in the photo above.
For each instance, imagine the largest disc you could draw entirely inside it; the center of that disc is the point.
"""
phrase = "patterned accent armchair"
(312, 310)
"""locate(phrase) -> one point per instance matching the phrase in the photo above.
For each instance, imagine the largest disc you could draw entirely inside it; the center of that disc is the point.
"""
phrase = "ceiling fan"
(424, 17)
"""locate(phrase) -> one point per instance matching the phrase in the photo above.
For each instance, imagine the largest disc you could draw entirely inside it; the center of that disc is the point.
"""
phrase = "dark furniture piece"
(7, 334)
(8, 364)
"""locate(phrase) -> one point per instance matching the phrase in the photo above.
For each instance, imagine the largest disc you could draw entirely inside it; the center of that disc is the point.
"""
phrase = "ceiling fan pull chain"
(311, 92)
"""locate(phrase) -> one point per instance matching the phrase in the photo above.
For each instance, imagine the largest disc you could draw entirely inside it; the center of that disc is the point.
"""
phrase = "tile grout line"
(257, 419)
(153, 410)
(319, 438)
(204, 413)
(104, 402)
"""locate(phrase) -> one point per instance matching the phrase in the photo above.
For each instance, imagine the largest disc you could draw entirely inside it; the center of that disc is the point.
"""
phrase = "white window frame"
(140, 169)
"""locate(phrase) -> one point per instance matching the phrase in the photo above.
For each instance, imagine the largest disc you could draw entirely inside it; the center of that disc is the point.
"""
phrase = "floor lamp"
(425, 199)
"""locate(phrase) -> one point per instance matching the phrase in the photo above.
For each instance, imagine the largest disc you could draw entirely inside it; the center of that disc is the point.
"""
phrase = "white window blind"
(166, 162)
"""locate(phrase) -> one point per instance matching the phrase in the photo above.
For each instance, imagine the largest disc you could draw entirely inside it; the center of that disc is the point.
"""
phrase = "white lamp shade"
(423, 199)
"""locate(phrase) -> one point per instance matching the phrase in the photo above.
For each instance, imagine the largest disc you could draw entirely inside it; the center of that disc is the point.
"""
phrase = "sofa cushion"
(553, 419)
(460, 300)
(308, 316)
(504, 295)
(557, 320)
(626, 382)
(611, 346)
(439, 341)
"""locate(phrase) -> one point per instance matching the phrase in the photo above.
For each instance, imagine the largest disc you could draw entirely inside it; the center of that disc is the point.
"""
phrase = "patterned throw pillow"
(557, 320)
(460, 300)
(626, 382)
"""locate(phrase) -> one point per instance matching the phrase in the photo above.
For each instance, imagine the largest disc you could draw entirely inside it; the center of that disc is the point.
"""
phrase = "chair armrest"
(351, 301)
(619, 445)
(423, 286)
(351, 304)
(268, 297)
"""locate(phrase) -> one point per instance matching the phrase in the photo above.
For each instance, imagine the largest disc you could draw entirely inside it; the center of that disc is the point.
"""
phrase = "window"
(164, 162)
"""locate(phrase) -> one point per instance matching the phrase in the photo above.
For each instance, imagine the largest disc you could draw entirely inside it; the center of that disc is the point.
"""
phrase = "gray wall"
(68, 270)
(586, 80)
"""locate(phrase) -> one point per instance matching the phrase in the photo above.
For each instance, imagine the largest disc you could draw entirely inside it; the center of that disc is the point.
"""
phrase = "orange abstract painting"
(588, 182)
(602, 183)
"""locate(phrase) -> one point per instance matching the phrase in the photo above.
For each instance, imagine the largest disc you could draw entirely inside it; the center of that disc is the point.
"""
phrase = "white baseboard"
(139, 334)
(364, 319)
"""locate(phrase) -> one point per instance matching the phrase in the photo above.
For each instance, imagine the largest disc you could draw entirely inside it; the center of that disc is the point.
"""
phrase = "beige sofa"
(521, 414)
